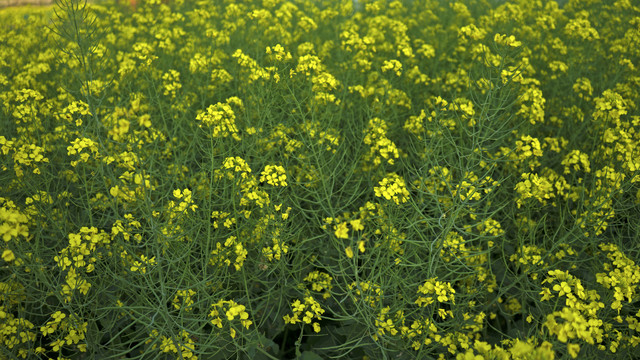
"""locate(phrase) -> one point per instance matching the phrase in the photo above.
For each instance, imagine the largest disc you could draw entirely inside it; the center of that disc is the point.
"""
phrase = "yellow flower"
(356, 225)
(171, 83)
(507, 40)
(8, 255)
(520, 349)
(573, 349)
(56, 345)
(562, 288)
(220, 118)
(58, 316)
(392, 187)
(274, 175)
(341, 231)
(546, 294)
(349, 252)
(442, 313)
(392, 65)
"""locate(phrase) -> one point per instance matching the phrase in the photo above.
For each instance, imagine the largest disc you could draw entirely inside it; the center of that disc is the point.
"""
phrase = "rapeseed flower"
(392, 187)
(274, 175)
(494, 95)
(220, 118)
(8, 255)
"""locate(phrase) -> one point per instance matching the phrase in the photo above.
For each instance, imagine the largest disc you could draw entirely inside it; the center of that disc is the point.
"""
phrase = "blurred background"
(5, 3)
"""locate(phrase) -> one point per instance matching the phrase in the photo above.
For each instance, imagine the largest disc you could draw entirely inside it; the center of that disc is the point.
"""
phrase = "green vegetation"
(304, 179)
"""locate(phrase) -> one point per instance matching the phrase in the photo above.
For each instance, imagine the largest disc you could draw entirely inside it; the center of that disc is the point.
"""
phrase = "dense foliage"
(316, 179)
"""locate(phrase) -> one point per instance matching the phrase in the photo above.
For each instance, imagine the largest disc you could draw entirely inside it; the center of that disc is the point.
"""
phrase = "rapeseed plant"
(293, 178)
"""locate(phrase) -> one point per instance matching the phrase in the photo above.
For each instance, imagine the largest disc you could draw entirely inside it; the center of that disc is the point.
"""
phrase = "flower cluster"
(176, 214)
(505, 40)
(183, 300)
(221, 119)
(171, 83)
(14, 227)
(277, 249)
(78, 145)
(79, 258)
(623, 276)
(392, 187)
(28, 155)
(536, 187)
(182, 346)
(66, 330)
(366, 292)
(75, 111)
(223, 253)
(382, 148)
(274, 175)
(320, 281)
(306, 313)
(393, 66)
(435, 290)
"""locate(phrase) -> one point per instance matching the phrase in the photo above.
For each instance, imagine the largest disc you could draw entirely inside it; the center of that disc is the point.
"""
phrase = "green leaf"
(266, 344)
(310, 355)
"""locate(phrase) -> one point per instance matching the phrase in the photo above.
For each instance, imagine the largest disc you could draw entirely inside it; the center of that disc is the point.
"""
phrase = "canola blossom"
(280, 179)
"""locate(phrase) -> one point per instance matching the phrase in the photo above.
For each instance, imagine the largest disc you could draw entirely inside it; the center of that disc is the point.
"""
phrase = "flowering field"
(315, 179)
